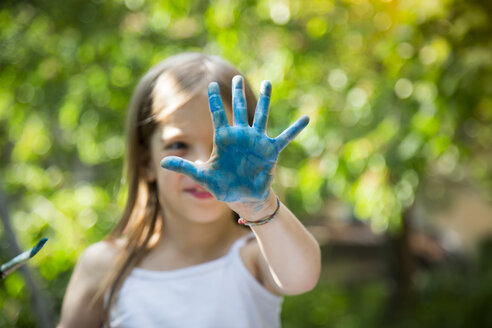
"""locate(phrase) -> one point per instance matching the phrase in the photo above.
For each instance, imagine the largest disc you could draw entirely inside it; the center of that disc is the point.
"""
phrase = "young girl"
(178, 257)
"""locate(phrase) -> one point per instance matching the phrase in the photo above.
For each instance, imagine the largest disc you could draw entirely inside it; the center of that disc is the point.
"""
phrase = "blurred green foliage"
(449, 297)
(398, 91)
(329, 305)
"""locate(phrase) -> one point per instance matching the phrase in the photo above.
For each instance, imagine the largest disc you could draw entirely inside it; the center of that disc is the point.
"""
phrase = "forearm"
(291, 252)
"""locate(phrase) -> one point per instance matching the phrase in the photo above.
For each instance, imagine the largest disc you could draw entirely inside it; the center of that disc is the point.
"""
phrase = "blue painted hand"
(243, 158)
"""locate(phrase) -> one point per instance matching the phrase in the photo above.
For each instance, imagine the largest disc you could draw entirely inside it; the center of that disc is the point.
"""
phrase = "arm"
(240, 172)
(286, 255)
(84, 283)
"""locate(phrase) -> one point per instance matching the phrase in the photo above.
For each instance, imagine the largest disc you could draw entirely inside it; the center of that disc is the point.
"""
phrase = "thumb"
(182, 166)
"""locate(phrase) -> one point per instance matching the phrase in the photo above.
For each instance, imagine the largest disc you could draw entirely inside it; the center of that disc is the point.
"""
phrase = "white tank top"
(218, 294)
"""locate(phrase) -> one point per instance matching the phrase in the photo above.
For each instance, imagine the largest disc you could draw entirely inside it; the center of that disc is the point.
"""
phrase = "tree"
(397, 91)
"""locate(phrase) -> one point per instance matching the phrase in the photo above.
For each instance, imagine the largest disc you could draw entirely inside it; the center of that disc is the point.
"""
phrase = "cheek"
(167, 178)
(167, 186)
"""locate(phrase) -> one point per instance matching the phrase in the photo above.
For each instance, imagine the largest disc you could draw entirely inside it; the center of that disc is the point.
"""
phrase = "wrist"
(262, 221)
(256, 210)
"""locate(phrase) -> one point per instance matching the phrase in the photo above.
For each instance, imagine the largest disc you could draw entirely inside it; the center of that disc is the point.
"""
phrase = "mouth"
(198, 192)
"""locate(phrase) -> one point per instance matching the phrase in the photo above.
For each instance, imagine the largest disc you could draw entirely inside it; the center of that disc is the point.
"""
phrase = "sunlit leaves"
(397, 92)
(34, 140)
(352, 66)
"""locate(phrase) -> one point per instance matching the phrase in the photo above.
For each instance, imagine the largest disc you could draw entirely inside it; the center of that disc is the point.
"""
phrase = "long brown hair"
(186, 75)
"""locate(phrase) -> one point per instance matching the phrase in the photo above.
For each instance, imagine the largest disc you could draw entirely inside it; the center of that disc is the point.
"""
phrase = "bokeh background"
(393, 175)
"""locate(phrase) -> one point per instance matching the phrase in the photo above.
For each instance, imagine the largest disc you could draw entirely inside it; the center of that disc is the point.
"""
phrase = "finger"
(240, 116)
(182, 166)
(261, 112)
(291, 132)
(216, 106)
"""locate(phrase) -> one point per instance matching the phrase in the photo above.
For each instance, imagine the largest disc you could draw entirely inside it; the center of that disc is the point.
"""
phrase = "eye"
(178, 145)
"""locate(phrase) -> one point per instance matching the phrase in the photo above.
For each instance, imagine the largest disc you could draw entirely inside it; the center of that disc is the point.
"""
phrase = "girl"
(178, 257)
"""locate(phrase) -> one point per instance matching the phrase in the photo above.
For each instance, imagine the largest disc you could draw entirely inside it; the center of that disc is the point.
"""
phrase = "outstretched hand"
(243, 159)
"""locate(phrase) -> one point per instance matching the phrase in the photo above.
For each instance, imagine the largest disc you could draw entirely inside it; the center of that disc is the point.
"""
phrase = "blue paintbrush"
(20, 259)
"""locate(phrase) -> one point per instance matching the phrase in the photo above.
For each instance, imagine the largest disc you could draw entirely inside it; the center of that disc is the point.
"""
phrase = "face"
(186, 132)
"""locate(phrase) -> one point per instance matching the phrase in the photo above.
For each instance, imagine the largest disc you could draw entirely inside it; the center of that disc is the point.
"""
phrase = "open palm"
(243, 159)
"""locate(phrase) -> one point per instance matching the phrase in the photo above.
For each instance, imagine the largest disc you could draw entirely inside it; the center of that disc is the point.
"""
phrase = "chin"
(204, 216)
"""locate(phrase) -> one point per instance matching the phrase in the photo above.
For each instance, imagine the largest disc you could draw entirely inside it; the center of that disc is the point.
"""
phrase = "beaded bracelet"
(261, 222)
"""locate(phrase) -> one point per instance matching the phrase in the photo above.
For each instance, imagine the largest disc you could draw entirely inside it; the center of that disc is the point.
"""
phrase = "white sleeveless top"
(218, 294)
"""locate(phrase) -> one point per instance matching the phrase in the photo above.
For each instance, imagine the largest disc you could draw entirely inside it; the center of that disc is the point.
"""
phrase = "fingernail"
(164, 162)
(303, 120)
(237, 82)
(213, 87)
(266, 88)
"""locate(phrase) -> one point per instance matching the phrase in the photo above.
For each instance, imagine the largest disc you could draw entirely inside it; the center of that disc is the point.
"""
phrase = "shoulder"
(257, 265)
(98, 258)
(78, 309)
(94, 264)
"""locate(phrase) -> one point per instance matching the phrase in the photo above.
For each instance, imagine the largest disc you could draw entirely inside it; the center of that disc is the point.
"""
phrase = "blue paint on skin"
(240, 113)
(261, 111)
(242, 167)
(216, 106)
